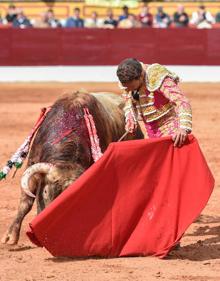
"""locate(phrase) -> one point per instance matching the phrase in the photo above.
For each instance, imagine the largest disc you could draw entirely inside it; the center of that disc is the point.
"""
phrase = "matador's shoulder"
(156, 73)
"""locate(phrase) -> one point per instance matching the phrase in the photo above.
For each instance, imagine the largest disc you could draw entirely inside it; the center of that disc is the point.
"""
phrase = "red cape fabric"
(137, 199)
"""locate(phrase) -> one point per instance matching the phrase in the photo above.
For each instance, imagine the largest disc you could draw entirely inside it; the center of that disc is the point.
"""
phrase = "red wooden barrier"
(30, 47)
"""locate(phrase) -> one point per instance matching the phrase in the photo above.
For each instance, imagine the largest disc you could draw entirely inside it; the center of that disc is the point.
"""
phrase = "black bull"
(61, 150)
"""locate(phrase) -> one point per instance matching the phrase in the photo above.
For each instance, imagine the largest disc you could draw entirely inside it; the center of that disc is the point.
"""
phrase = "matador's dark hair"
(128, 70)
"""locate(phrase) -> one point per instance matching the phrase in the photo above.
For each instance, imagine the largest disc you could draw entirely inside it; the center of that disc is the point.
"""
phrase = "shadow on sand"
(202, 250)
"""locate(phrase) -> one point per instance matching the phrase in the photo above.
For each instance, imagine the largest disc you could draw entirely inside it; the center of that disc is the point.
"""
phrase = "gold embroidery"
(156, 73)
(185, 118)
(156, 114)
(147, 109)
(146, 104)
(185, 124)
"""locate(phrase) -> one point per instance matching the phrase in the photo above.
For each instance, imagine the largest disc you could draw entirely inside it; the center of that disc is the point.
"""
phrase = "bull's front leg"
(11, 236)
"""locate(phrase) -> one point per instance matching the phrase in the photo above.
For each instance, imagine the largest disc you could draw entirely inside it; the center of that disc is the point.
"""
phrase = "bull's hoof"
(10, 238)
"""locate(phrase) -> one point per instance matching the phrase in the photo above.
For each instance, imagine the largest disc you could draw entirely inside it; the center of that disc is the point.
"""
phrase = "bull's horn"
(36, 168)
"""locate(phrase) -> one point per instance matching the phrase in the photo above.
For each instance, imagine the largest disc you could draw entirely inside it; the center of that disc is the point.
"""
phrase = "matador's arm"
(171, 91)
(129, 111)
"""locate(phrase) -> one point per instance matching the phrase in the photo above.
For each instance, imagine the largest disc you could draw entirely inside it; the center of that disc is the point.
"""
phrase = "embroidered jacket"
(160, 96)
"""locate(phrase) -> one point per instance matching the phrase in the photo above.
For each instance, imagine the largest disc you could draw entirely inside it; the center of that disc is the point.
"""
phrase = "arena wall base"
(97, 73)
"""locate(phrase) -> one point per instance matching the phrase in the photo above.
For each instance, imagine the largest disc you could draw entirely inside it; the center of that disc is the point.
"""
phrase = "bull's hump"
(108, 98)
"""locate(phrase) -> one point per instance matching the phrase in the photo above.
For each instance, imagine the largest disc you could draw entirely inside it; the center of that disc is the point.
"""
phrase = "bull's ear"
(59, 174)
(68, 182)
(54, 175)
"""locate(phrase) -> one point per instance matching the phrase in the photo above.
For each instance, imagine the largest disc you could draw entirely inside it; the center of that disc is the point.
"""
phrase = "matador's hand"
(131, 123)
(180, 137)
(130, 126)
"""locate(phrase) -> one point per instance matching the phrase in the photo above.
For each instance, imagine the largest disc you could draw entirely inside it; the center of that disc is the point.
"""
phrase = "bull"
(61, 150)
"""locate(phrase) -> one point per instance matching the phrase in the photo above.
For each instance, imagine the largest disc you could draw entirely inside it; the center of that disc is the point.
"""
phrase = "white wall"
(97, 73)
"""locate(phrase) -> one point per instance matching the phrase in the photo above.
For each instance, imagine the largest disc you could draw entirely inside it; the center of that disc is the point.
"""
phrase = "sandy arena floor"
(199, 256)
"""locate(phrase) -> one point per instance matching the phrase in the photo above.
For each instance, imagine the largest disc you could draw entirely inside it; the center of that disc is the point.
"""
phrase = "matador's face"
(135, 84)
